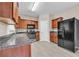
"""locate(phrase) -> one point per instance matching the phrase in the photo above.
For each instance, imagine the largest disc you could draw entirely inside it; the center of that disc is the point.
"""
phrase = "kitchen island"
(15, 49)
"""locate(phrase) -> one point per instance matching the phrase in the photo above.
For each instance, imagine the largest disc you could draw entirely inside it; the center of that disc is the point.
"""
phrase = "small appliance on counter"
(68, 34)
(31, 31)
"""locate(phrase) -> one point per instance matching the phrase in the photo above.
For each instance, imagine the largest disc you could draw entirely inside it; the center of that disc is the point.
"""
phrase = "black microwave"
(30, 26)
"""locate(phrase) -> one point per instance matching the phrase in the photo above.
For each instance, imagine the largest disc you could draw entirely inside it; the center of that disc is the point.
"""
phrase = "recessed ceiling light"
(35, 6)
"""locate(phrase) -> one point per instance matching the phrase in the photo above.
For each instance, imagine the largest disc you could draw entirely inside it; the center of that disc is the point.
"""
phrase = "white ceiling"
(25, 8)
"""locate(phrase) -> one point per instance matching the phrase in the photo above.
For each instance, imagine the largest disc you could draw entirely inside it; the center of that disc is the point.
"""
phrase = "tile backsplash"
(3, 28)
(10, 29)
(6, 29)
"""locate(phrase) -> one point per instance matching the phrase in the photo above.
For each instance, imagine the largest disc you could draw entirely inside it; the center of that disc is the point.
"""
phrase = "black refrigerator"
(68, 34)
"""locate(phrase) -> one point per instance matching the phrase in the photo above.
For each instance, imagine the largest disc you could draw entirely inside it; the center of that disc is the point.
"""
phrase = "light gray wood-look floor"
(49, 49)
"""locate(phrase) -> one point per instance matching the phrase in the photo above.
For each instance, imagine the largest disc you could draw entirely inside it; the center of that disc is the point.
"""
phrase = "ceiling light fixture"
(35, 6)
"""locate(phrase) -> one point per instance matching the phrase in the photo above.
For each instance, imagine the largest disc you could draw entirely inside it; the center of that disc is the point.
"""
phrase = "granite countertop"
(9, 37)
(5, 38)
(12, 46)
(54, 30)
(24, 32)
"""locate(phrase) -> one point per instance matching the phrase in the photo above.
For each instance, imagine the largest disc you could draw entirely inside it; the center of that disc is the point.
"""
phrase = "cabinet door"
(6, 9)
(36, 24)
(54, 23)
(37, 36)
(54, 37)
(1, 9)
(9, 10)
(15, 11)
(21, 51)
(51, 37)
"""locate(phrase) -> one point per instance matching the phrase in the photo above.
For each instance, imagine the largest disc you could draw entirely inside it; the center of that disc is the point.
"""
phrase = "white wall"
(44, 28)
(72, 12)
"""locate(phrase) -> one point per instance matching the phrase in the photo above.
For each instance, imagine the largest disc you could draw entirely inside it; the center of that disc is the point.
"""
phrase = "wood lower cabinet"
(37, 36)
(9, 10)
(53, 37)
(21, 51)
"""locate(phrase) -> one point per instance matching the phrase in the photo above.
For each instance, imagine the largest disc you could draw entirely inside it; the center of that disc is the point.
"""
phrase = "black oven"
(31, 31)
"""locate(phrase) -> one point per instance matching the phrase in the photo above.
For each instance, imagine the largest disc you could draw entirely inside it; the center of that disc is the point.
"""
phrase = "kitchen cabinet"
(15, 12)
(37, 36)
(20, 51)
(55, 22)
(5, 9)
(9, 10)
(36, 24)
(53, 37)
(22, 24)
(54, 32)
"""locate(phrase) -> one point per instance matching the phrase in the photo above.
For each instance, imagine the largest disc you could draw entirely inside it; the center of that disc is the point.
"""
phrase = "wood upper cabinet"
(55, 22)
(9, 10)
(36, 24)
(22, 24)
(15, 11)
(5, 9)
